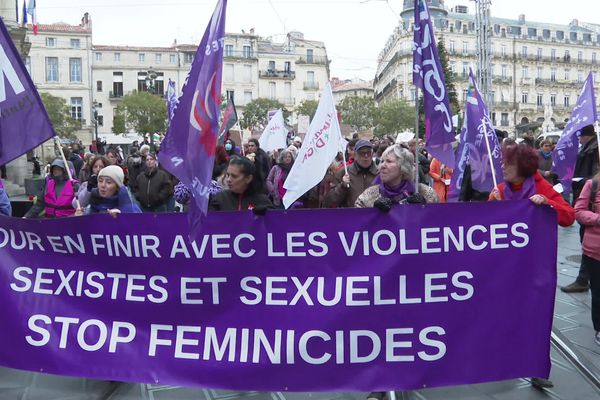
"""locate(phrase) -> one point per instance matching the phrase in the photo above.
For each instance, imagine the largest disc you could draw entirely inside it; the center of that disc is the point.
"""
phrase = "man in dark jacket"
(154, 187)
(360, 176)
(585, 168)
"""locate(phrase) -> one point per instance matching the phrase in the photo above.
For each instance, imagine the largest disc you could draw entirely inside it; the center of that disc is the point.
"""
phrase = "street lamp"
(150, 81)
(95, 111)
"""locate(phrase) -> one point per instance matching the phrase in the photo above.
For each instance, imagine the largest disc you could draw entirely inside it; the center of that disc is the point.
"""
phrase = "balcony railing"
(311, 85)
(312, 60)
(240, 54)
(277, 74)
(115, 95)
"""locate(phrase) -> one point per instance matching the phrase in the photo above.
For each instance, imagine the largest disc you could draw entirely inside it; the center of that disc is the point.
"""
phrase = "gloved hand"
(92, 182)
(416, 198)
(259, 210)
(384, 204)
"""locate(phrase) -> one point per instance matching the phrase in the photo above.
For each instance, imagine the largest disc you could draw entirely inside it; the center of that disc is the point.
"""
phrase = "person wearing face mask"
(56, 196)
(231, 148)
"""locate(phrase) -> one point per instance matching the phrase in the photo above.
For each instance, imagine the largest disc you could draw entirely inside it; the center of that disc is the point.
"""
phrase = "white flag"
(274, 137)
(321, 144)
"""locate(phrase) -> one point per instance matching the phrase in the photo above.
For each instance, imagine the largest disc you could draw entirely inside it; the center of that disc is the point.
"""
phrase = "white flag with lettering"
(274, 137)
(321, 144)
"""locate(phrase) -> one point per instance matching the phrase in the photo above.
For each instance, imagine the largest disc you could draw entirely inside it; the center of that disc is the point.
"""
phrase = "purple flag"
(24, 123)
(255, 306)
(188, 150)
(171, 98)
(429, 77)
(473, 149)
(584, 113)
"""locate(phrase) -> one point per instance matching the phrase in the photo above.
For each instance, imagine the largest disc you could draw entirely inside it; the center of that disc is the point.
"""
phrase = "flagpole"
(417, 138)
(64, 159)
(487, 144)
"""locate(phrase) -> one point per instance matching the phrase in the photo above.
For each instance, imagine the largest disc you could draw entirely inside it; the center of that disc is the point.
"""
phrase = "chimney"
(522, 18)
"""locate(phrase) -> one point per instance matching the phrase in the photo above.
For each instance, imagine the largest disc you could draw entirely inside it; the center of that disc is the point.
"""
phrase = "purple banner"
(316, 300)
(564, 156)
(24, 123)
(428, 75)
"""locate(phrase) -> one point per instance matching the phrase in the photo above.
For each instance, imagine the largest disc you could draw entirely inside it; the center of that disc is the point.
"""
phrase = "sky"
(354, 31)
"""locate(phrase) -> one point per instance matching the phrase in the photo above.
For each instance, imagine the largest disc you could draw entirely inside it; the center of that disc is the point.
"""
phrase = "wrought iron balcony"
(278, 74)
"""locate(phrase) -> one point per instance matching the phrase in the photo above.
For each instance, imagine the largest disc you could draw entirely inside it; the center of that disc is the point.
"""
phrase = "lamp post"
(150, 87)
(95, 111)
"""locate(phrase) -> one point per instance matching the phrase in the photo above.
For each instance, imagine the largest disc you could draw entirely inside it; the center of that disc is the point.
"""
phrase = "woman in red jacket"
(523, 181)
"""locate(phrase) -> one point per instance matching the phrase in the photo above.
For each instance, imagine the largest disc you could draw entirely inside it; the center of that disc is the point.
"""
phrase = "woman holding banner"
(587, 211)
(394, 183)
(245, 189)
(522, 180)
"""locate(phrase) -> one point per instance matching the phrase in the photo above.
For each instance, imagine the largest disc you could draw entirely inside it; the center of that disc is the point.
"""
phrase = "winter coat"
(590, 219)
(368, 198)
(77, 163)
(342, 195)
(276, 175)
(565, 213)
(546, 165)
(5, 207)
(154, 188)
(136, 164)
(586, 165)
(229, 201)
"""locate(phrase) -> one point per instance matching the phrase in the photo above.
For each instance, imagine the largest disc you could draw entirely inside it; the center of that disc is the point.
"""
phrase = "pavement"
(572, 322)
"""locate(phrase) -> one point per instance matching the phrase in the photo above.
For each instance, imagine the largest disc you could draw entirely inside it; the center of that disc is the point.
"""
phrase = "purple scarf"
(527, 190)
(397, 193)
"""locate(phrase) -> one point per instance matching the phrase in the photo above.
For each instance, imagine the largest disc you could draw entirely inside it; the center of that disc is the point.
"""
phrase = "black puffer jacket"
(586, 166)
(154, 188)
(229, 201)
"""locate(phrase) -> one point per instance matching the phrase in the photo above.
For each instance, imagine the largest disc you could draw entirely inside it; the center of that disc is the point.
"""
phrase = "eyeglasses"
(365, 154)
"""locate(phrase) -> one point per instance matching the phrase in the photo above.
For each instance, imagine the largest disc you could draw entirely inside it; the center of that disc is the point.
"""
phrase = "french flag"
(32, 10)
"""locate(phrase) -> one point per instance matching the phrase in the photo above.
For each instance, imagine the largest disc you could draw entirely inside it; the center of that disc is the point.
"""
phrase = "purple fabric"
(584, 113)
(526, 191)
(402, 191)
(472, 148)
(24, 123)
(188, 150)
(417, 280)
(429, 77)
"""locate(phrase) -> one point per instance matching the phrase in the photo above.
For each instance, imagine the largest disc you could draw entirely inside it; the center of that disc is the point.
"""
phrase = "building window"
(567, 74)
(593, 58)
(465, 69)
(553, 74)
(77, 108)
(453, 66)
(287, 67)
(98, 86)
(230, 95)
(553, 99)
(158, 58)
(117, 57)
(50, 42)
(524, 97)
(228, 50)
(272, 90)
(524, 51)
(188, 58)
(247, 52)
(75, 43)
(28, 65)
(98, 56)
(504, 119)
(309, 56)
(539, 53)
(75, 69)
(567, 56)
(540, 100)
(172, 58)
(553, 54)
(287, 93)
(247, 96)
(465, 48)
(142, 57)
(228, 72)
(503, 50)
(100, 120)
(525, 71)
(271, 66)
(465, 94)
(247, 73)
(117, 85)
(580, 76)
(51, 69)
(452, 47)
(567, 101)
(540, 72)
(580, 56)
(504, 71)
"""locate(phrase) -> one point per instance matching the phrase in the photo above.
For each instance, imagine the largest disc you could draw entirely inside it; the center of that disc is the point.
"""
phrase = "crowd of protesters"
(377, 173)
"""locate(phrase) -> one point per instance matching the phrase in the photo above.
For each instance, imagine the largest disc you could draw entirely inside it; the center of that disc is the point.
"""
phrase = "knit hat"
(113, 172)
(588, 131)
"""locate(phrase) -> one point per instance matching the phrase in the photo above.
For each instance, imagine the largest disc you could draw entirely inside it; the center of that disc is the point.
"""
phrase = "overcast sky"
(354, 31)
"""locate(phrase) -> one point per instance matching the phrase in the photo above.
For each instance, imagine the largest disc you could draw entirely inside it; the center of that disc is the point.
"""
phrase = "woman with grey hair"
(278, 175)
(395, 183)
